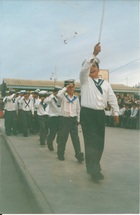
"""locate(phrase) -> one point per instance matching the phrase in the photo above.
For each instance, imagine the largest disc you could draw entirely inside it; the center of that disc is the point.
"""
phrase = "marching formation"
(58, 114)
(55, 115)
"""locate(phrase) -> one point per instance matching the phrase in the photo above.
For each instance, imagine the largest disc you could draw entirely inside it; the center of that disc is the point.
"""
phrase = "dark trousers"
(5, 120)
(132, 122)
(93, 127)
(120, 121)
(68, 125)
(35, 123)
(125, 121)
(20, 121)
(54, 126)
(43, 128)
(10, 122)
(26, 121)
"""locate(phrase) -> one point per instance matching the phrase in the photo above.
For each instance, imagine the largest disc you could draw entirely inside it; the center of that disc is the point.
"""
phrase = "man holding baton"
(95, 93)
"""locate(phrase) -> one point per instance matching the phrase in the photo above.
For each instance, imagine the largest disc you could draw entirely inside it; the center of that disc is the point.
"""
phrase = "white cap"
(37, 90)
(22, 91)
(43, 92)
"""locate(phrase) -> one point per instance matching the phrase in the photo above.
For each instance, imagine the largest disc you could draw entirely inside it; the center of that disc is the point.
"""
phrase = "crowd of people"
(129, 113)
(22, 113)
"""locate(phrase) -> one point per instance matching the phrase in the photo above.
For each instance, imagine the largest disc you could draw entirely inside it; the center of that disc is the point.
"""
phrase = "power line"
(124, 65)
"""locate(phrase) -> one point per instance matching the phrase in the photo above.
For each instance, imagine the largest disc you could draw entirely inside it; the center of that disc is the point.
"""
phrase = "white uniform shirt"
(134, 112)
(10, 103)
(5, 103)
(91, 96)
(27, 105)
(121, 112)
(69, 109)
(108, 112)
(42, 108)
(35, 101)
(18, 103)
(54, 108)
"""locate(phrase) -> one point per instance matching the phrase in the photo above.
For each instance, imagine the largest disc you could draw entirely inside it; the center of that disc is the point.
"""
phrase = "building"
(31, 85)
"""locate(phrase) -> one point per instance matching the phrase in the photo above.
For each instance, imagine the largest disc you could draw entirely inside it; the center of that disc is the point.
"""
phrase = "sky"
(47, 39)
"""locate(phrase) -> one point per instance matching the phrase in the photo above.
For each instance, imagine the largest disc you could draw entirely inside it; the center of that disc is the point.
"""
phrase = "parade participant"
(70, 111)
(54, 117)
(5, 109)
(42, 113)
(95, 93)
(19, 112)
(27, 113)
(10, 113)
(35, 98)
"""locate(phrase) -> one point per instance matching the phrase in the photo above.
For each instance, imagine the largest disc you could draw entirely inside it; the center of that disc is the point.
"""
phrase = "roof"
(122, 88)
(21, 82)
(33, 84)
(49, 84)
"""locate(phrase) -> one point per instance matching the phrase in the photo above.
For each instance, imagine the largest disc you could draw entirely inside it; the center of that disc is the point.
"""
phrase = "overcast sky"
(44, 38)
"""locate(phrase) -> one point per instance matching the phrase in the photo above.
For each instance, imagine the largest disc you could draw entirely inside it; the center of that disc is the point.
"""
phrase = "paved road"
(65, 187)
(14, 193)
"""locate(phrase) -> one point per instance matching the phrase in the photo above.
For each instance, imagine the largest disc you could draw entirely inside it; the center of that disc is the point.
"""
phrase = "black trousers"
(54, 127)
(132, 121)
(26, 121)
(10, 122)
(93, 127)
(43, 128)
(125, 121)
(68, 126)
(35, 123)
(20, 121)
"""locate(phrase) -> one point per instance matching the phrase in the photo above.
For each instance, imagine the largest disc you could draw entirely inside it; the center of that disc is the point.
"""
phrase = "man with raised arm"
(95, 93)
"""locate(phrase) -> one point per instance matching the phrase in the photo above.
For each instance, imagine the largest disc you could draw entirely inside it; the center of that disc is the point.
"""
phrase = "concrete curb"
(40, 199)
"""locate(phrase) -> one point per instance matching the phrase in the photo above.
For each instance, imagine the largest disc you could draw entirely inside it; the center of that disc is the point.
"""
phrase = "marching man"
(70, 111)
(95, 93)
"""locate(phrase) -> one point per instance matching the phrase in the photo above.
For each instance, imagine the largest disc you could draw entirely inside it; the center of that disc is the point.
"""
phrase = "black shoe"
(50, 147)
(97, 177)
(80, 157)
(61, 157)
(101, 177)
(25, 135)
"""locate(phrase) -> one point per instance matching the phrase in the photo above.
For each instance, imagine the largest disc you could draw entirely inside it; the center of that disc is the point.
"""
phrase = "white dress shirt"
(10, 103)
(121, 112)
(54, 108)
(26, 104)
(41, 110)
(134, 112)
(35, 101)
(69, 109)
(18, 103)
(91, 96)
(108, 112)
